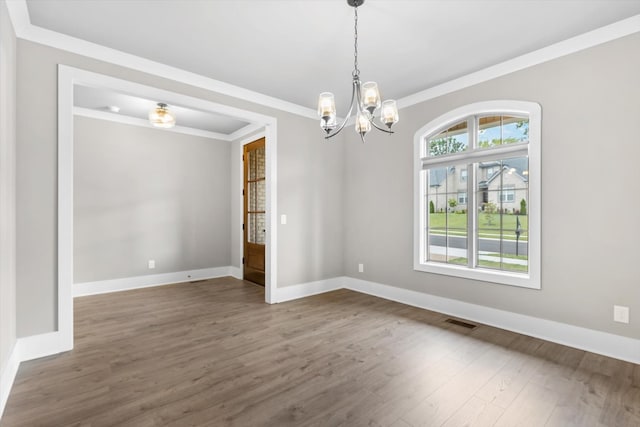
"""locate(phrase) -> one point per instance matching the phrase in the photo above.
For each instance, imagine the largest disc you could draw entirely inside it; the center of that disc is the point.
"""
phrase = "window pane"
(502, 204)
(447, 221)
(257, 196)
(257, 229)
(499, 130)
(452, 140)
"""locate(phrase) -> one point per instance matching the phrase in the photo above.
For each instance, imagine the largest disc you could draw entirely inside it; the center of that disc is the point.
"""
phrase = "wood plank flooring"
(212, 353)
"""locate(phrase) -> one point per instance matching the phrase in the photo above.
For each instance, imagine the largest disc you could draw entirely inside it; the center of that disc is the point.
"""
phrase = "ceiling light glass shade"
(161, 117)
(389, 113)
(327, 111)
(326, 104)
(370, 97)
(363, 124)
(329, 123)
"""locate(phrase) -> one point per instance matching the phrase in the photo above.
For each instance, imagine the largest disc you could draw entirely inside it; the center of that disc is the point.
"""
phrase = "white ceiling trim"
(575, 44)
(251, 127)
(19, 14)
(128, 120)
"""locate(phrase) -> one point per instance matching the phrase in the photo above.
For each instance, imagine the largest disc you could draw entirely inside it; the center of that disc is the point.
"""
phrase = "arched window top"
(477, 193)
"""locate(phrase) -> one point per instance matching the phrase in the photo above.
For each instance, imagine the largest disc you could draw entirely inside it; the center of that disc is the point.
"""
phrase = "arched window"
(477, 193)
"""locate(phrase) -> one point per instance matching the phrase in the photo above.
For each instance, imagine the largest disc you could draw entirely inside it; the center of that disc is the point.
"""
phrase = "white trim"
(575, 44)
(599, 342)
(41, 345)
(68, 77)
(25, 30)
(533, 111)
(139, 282)
(7, 377)
(19, 16)
(235, 272)
(65, 204)
(252, 127)
(271, 256)
(308, 289)
(134, 121)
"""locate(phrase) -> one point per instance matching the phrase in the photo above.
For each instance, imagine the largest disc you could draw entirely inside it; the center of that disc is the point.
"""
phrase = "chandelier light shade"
(161, 117)
(365, 100)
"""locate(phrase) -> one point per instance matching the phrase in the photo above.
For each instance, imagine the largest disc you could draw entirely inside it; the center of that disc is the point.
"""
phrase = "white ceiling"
(101, 99)
(293, 50)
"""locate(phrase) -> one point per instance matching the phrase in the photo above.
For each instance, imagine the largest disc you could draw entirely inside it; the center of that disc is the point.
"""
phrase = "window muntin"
(498, 173)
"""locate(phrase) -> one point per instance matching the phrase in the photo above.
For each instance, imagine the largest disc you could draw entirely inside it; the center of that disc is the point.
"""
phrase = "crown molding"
(19, 15)
(566, 47)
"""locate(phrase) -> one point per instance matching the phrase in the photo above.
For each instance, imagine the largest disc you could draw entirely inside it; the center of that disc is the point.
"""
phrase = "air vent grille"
(461, 323)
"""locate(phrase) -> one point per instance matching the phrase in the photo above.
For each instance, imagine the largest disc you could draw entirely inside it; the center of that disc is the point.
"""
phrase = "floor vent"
(461, 323)
(198, 281)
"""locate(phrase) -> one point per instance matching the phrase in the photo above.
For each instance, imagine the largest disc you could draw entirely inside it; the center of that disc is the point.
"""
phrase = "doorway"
(68, 77)
(254, 219)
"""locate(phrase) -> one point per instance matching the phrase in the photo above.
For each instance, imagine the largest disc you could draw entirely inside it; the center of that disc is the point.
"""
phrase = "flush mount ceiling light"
(365, 97)
(161, 117)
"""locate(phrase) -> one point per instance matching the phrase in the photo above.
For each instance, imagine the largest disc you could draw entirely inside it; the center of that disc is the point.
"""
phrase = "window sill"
(485, 275)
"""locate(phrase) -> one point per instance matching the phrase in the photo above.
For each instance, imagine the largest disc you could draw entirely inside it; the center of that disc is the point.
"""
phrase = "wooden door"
(255, 197)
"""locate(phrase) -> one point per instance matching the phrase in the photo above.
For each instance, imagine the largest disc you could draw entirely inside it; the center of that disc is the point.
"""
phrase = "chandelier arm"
(378, 127)
(346, 119)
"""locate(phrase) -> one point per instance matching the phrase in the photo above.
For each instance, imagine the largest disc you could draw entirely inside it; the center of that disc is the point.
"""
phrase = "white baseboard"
(35, 346)
(611, 345)
(128, 283)
(7, 377)
(235, 272)
(302, 290)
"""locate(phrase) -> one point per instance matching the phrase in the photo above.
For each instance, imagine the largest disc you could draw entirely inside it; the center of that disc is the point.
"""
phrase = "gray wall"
(310, 189)
(143, 193)
(310, 193)
(590, 108)
(7, 187)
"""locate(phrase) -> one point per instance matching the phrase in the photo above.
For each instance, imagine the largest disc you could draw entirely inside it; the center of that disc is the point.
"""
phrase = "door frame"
(68, 78)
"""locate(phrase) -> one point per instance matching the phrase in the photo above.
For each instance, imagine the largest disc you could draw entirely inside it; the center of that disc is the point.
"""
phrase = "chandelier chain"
(356, 71)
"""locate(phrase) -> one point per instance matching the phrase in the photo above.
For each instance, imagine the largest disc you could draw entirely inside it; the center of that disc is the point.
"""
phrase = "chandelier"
(161, 117)
(365, 97)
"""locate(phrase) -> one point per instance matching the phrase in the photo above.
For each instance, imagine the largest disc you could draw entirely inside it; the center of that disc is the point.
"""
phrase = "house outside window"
(484, 161)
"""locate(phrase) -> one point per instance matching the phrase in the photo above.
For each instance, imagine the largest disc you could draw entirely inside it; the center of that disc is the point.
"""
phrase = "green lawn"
(490, 225)
(493, 264)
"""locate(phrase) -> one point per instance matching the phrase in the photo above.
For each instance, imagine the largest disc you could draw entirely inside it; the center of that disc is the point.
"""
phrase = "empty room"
(319, 213)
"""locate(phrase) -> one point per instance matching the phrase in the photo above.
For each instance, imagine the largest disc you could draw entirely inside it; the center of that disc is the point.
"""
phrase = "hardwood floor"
(212, 353)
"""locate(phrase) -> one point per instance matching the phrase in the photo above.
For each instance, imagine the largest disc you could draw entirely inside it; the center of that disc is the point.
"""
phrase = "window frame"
(533, 111)
(462, 198)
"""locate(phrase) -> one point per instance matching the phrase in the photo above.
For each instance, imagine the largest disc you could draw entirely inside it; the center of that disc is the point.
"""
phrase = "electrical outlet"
(620, 314)
(283, 219)
(151, 263)
(360, 268)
